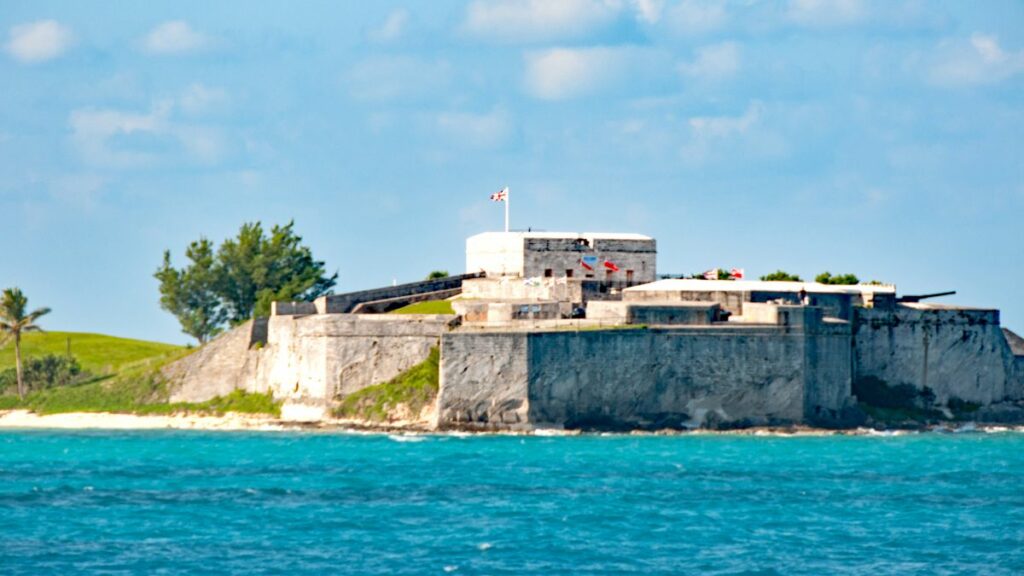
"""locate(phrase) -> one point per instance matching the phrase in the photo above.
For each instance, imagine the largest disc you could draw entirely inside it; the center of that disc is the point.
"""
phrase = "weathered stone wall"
(328, 356)
(484, 380)
(513, 288)
(954, 352)
(718, 376)
(216, 369)
(313, 359)
(828, 372)
(345, 303)
(563, 255)
(672, 313)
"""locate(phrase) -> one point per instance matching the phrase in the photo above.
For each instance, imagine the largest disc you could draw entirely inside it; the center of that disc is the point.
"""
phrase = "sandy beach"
(233, 421)
(108, 421)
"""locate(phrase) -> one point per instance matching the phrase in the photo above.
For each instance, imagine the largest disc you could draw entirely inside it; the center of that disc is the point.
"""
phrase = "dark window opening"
(548, 273)
(568, 272)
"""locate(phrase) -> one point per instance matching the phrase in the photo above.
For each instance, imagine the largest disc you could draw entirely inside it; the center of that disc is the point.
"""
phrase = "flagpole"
(506, 207)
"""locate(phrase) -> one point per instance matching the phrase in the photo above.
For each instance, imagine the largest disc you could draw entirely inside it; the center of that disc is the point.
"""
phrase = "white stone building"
(625, 259)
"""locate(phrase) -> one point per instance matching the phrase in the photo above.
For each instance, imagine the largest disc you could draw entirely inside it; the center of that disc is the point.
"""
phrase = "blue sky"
(879, 138)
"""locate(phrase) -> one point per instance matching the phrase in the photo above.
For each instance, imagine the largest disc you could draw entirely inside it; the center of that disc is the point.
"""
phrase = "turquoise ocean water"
(311, 503)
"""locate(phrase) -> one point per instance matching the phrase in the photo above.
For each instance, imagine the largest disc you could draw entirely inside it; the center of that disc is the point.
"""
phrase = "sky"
(881, 138)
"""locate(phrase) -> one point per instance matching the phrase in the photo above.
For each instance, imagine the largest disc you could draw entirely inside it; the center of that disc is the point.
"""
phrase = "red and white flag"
(500, 195)
(711, 274)
(736, 273)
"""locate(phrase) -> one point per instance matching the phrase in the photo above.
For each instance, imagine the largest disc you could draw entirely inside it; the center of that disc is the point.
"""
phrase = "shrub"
(436, 274)
(44, 372)
(414, 389)
(781, 276)
(844, 279)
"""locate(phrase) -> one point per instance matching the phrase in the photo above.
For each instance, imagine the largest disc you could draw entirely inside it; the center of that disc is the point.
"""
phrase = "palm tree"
(14, 321)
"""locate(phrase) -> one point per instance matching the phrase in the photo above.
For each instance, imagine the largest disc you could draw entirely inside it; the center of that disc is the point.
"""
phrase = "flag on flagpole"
(588, 262)
(611, 266)
(736, 273)
(711, 274)
(500, 195)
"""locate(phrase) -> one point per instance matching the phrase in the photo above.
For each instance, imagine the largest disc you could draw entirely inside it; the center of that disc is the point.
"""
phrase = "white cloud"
(729, 137)
(648, 11)
(723, 126)
(981, 60)
(478, 130)
(39, 41)
(199, 98)
(692, 17)
(92, 130)
(564, 73)
(825, 12)
(395, 77)
(174, 37)
(538, 20)
(713, 62)
(392, 27)
(112, 138)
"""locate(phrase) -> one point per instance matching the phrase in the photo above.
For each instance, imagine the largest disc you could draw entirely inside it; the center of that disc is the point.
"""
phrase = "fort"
(576, 330)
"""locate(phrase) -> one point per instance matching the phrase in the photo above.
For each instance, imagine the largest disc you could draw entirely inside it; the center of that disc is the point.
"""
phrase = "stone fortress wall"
(311, 361)
(679, 376)
(680, 353)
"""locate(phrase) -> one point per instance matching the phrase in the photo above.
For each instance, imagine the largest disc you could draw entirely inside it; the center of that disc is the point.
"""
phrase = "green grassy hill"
(124, 378)
(96, 353)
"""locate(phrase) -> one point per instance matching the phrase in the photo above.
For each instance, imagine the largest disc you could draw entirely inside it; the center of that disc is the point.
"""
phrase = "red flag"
(736, 273)
(611, 266)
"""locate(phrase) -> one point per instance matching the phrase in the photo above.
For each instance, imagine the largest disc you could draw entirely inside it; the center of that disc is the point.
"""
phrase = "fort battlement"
(572, 330)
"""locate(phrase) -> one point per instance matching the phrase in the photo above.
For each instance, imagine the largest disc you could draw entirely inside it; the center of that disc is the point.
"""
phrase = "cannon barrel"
(919, 297)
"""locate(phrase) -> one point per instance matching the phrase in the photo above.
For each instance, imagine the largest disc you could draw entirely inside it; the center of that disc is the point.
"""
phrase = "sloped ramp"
(1015, 341)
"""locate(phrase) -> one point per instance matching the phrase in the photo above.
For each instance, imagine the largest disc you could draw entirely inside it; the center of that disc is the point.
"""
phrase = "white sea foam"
(406, 438)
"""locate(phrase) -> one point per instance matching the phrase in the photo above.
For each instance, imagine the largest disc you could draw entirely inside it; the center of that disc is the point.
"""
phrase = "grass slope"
(414, 388)
(127, 379)
(427, 307)
(96, 353)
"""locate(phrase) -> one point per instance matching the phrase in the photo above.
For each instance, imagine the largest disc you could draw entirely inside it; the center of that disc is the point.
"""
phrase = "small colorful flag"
(500, 195)
(611, 266)
(588, 262)
(736, 273)
(711, 274)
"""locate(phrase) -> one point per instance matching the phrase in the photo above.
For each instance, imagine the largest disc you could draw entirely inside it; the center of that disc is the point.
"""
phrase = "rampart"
(721, 376)
(952, 352)
(345, 303)
(308, 360)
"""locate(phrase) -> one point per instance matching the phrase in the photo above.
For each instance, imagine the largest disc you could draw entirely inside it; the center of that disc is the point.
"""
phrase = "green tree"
(191, 294)
(240, 279)
(841, 279)
(255, 270)
(781, 276)
(437, 274)
(14, 320)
